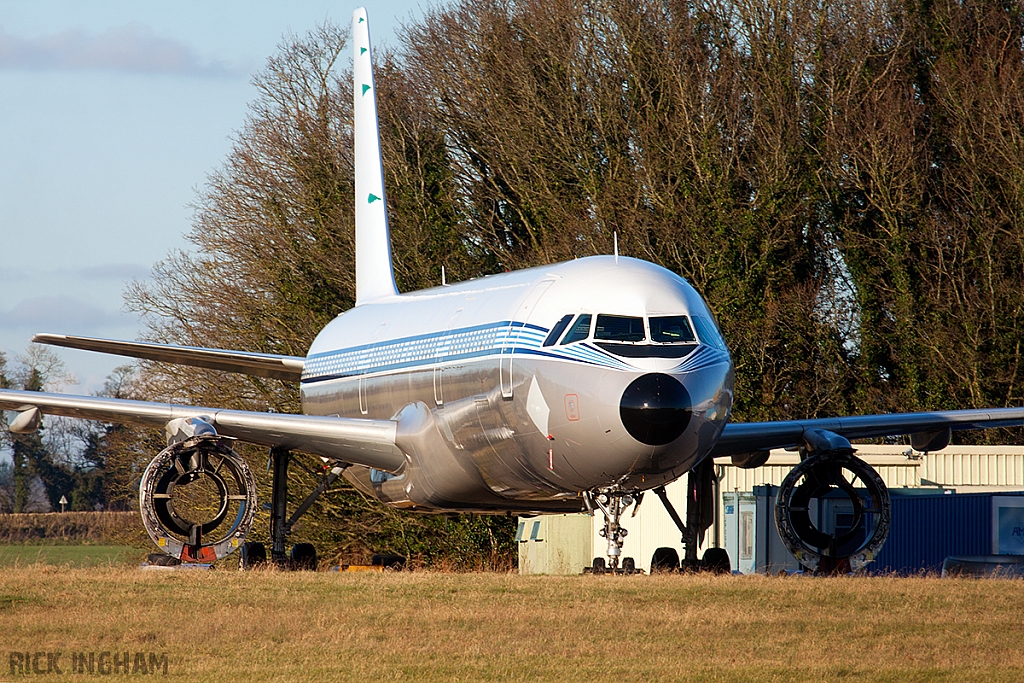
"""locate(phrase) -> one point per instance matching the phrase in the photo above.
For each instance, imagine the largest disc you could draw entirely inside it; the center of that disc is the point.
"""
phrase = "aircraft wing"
(288, 368)
(745, 437)
(352, 440)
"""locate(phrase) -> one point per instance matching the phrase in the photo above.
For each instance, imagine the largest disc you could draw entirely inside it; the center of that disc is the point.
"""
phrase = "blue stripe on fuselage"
(444, 347)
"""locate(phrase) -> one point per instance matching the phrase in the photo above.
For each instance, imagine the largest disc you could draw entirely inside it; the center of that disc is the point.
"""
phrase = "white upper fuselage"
(520, 419)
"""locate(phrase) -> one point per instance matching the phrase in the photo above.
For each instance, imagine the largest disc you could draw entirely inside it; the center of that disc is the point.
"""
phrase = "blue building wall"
(928, 528)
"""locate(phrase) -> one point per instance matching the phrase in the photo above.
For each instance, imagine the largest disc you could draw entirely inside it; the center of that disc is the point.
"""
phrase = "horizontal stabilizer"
(288, 368)
(353, 440)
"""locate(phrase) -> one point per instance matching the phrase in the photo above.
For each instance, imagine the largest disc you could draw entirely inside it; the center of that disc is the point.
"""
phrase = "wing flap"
(287, 368)
(353, 440)
(744, 437)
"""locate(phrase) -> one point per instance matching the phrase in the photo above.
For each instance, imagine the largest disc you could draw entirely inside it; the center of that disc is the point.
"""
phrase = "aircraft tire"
(716, 561)
(304, 557)
(665, 560)
(252, 555)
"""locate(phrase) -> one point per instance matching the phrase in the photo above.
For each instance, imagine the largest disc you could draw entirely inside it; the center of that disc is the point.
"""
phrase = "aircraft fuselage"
(500, 413)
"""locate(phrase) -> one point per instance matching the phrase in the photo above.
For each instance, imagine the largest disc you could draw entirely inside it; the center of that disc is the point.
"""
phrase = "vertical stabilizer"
(375, 277)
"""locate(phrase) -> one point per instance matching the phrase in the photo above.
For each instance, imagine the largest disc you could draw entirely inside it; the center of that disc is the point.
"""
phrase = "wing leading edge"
(287, 368)
(744, 437)
(352, 440)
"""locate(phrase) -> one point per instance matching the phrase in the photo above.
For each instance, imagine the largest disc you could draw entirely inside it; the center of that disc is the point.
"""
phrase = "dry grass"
(444, 627)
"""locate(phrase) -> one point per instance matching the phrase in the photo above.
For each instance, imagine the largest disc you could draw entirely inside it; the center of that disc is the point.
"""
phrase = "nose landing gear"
(612, 502)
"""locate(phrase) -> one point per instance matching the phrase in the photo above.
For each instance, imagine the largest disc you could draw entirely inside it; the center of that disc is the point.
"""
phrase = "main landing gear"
(303, 555)
(700, 516)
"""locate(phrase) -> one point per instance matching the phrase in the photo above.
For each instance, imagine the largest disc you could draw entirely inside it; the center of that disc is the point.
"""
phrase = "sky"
(112, 115)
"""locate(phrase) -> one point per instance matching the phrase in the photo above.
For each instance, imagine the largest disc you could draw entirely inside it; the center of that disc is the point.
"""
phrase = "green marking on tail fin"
(361, 20)
(365, 88)
(362, 50)
(372, 198)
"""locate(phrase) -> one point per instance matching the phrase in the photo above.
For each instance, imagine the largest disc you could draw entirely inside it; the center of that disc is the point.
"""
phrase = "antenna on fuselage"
(444, 283)
(375, 276)
(615, 237)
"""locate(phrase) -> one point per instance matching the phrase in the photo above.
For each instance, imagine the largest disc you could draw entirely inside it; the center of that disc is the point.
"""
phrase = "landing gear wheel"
(628, 566)
(716, 561)
(252, 555)
(665, 560)
(304, 557)
(599, 565)
(811, 480)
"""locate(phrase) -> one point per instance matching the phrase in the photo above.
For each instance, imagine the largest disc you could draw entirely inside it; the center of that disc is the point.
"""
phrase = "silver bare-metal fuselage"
(490, 419)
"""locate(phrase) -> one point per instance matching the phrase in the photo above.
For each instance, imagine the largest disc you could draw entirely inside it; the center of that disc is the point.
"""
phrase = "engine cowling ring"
(184, 463)
(810, 480)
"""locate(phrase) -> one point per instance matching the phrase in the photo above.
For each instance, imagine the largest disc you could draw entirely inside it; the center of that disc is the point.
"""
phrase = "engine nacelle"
(752, 460)
(198, 496)
(798, 510)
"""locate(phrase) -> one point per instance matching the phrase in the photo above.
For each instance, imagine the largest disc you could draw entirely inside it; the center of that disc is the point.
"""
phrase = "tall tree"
(841, 181)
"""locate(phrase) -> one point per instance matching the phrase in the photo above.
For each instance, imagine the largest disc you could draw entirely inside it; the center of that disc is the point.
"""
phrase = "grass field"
(272, 626)
(73, 555)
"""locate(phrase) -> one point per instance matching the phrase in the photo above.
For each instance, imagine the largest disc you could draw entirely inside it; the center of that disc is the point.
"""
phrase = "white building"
(564, 544)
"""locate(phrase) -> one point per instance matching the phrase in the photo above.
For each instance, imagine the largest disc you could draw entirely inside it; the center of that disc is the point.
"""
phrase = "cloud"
(114, 271)
(132, 48)
(62, 314)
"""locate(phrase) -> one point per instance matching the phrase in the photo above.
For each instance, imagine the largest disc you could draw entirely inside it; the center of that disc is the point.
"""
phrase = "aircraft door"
(515, 334)
(441, 351)
(366, 361)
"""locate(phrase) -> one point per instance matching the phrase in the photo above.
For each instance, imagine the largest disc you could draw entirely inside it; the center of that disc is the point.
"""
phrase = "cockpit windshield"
(671, 336)
(668, 329)
(619, 328)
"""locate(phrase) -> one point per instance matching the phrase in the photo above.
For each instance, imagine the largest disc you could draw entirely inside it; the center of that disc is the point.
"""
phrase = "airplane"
(570, 387)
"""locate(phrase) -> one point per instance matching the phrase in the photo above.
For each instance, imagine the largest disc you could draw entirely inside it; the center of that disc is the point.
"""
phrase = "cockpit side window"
(580, 330)
(619, 328)
(557, 330)
(708, 333)
(675, 328)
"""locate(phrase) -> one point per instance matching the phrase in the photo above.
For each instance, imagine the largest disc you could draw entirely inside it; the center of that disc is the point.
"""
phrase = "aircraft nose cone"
(655, 409)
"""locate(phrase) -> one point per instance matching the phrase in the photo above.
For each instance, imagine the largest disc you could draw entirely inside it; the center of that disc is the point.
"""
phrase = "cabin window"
(580, 330)
(675, 328)
(557, 330)
(619, 328)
